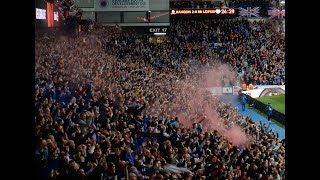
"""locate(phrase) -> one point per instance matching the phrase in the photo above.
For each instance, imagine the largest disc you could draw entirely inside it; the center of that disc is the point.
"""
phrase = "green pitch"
(277, 102)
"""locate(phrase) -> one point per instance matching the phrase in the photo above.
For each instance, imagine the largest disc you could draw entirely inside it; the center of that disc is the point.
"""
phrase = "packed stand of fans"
(255, 50)
(101, 108)
(257, 53)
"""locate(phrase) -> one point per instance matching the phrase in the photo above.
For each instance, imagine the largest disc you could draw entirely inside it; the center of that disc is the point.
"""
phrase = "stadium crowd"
(107, 103)
(255, 50)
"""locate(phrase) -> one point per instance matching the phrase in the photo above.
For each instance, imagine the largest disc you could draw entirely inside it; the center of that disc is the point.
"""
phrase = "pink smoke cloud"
(194, 103)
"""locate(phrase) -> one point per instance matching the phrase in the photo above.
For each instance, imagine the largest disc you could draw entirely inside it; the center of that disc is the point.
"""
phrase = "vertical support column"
(50, 15)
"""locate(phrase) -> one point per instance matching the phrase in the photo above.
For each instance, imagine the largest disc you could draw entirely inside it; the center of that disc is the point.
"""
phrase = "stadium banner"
(249, 12)
(266, 90)
(277, 13)
(227, 90)
(122, 5)
(235, 90)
